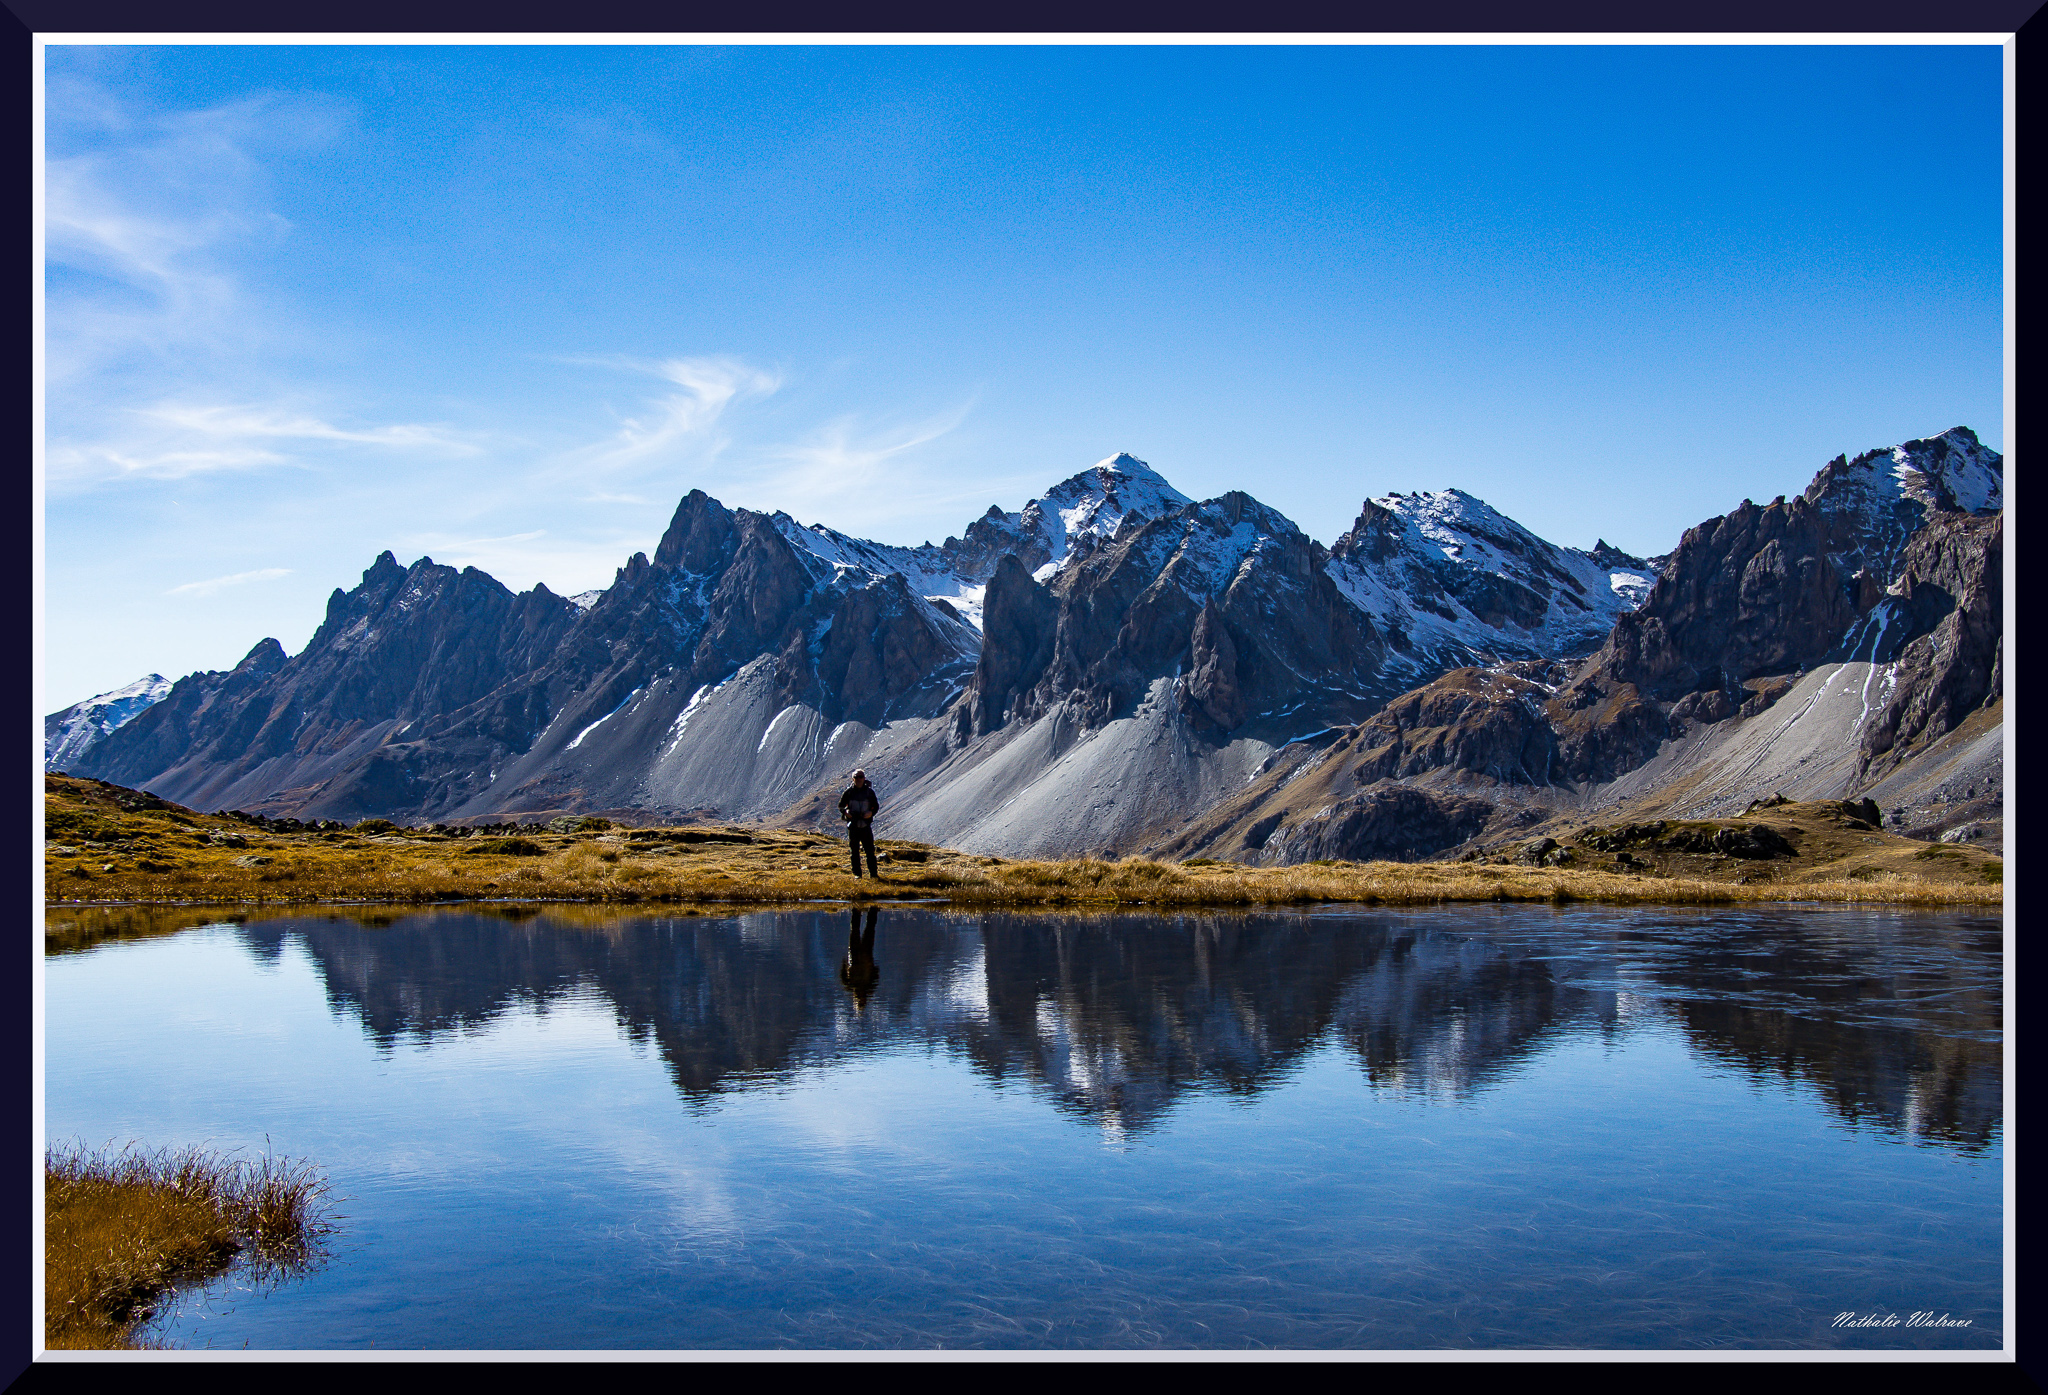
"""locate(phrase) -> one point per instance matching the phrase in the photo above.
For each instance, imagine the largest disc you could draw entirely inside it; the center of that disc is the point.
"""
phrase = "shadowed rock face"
(1876, 563)
(453, 698)
(1868, 563)
(994, 537)
(1873, 556)
(1217, 626)
(1489, 722)
(423, 682)
(726, 590)
(880, 652)
(1951, 593)
(1019, 619)
(405, 646)
(1749, 594)
(1212, 695)
(1767, 592)
(175, 725)
(1226, 595)
(1754, 592)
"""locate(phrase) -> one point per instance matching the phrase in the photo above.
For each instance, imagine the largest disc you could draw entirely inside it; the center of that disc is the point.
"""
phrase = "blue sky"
(505, 305)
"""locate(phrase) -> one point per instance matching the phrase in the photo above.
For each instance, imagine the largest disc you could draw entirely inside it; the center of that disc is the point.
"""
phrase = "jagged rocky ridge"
(752, 659)
(1872, 604)
(1112, 667)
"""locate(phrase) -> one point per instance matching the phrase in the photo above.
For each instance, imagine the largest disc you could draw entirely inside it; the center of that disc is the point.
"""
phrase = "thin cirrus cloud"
(258, 423)
(864, 476)
(174, 441)
(152, 207)
(675, 422)
(146, 216)
(221, 583)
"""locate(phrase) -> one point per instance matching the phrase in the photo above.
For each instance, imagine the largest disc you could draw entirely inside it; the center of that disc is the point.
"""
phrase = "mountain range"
(1116, 668)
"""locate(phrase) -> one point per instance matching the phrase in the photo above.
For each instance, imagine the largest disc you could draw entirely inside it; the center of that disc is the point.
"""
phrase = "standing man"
(858, 806)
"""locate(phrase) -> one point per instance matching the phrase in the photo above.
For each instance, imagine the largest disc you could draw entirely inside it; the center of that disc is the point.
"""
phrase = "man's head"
(860, 777)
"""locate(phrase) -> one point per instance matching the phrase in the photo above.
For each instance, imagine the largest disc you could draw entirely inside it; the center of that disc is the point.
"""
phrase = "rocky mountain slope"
(1116, 667)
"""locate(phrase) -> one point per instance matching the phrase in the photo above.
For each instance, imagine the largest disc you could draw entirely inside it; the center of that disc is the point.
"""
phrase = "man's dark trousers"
(860, 833)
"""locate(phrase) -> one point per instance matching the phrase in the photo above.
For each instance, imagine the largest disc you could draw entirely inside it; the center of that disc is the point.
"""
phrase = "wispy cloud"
(671, 422)
(258, 423)
(149, 216)
(76, 463)
(176, 440)
(838, 456)
(856, 474)
(151, 207)
(219, 583)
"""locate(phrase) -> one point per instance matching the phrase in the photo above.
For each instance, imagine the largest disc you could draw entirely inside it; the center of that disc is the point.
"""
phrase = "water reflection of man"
(857, 971)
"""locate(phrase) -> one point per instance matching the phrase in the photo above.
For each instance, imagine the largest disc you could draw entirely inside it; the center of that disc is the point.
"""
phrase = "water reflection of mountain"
(1117, 1016)
(1895, 1017)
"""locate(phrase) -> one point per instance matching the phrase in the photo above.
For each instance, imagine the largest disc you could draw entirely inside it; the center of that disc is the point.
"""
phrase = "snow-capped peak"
(1951, 471)
(1098, 499)
(1451, 575)
(150, 689)
(1874, 502)
(67, 735)
(1462, 527)
(1095, 501)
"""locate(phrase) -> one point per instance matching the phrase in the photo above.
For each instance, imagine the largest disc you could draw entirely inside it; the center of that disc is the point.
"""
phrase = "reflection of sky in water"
(1509, 1128)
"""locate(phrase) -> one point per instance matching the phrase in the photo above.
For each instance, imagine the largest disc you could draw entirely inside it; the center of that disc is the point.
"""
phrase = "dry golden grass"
(96, 853)
(124, 1230)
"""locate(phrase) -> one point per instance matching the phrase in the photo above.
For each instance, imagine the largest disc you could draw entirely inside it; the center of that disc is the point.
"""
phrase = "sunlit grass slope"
(107, 844)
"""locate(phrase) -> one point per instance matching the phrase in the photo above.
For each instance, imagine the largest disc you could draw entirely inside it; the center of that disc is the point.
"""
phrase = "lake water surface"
(1475, 1127)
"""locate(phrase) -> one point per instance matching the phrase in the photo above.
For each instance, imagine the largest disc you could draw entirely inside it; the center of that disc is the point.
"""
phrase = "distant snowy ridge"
(1445, 574)
(69, 734)
(1094, 502)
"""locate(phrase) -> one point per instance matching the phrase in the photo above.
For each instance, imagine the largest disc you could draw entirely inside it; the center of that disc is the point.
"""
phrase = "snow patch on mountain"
(69, 734)
(578, 739)
(1447, 575)
(1632, 586)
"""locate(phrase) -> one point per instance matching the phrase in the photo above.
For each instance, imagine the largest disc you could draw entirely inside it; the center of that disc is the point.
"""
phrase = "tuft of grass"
(124, 1230)
(504, 847)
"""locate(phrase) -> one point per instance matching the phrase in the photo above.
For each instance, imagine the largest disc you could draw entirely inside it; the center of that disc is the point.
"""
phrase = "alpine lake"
(1479, 1127)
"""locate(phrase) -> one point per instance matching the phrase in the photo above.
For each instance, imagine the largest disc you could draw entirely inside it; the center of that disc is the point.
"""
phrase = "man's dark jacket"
(859, 803)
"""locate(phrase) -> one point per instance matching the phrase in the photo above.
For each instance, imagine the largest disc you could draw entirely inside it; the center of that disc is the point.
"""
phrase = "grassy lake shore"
(105, 845)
